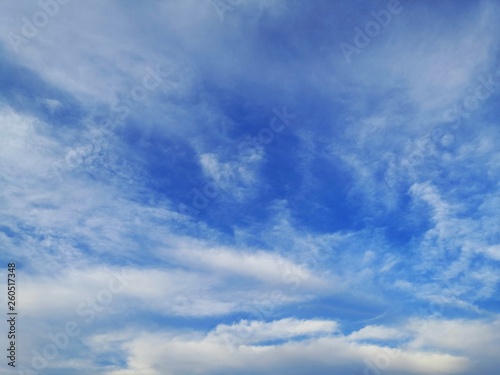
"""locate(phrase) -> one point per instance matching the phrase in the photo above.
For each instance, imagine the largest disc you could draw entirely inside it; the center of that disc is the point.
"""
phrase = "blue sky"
(252, 186)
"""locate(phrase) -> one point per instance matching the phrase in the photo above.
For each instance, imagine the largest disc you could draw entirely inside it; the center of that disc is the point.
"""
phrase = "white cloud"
(464, 336)
(243, 347)
(376, 332)
(267, 267)
(236, 177)
(493, 252)
(254, 332)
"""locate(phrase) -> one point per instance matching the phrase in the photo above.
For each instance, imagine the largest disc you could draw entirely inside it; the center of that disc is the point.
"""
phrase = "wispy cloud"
(197, 196)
